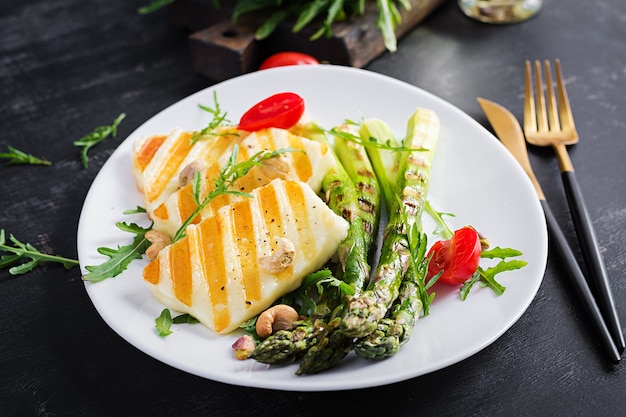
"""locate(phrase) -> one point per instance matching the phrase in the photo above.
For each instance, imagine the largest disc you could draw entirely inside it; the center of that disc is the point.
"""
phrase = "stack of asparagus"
(376, 316)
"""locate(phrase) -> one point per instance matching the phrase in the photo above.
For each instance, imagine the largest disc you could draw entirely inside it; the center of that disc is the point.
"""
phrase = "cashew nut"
(243, 347)
(275, 168)
(159, 240)
(278, 317)
(187, 174)
(281, 259)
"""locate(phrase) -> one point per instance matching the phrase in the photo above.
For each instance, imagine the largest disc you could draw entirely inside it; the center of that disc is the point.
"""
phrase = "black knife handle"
(580, 283)
(592, 256)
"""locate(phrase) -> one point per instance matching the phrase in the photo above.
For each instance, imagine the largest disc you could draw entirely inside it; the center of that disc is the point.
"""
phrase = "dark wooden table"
(68, 66)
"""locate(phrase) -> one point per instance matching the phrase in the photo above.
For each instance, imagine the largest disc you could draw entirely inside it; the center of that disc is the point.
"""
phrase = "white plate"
(473, 177)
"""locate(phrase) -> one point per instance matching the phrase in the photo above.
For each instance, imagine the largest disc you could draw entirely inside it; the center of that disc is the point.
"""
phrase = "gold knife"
(510, 133)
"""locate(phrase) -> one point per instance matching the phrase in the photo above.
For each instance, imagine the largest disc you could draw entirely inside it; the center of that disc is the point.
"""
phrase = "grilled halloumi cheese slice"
(233, 265)
(309, 164)
(159, 159)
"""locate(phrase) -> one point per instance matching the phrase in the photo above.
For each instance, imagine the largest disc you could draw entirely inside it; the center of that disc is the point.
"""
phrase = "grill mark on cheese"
(301, 162)
(211, 238)
(169, 166)
(186, 204)
(269, 207)
(180, 270)
(148, 148)
(161, 212)
(300, 216)
(151, 272)
(245, 239)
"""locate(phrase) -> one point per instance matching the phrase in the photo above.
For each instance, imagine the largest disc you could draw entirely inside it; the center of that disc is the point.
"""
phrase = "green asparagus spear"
(287, 346)
(395, 330)
(329, 349)
(365, 311)
(355, 160)
(343, 197)
(385, 162)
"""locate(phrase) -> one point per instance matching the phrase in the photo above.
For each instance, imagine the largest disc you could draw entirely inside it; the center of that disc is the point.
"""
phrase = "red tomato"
(283, 59)
(282, 110)
(458, 257)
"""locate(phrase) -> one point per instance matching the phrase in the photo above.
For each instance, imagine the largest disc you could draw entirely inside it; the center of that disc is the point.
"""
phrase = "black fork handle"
(592, 256)
(580, 283)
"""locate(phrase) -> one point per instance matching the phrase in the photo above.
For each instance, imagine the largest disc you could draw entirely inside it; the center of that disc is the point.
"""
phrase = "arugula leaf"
(418, 244)
(137, 210)
(15, 156)
(119, 258)
(163, 323)
(154, 6)
(99, 134)
(313, 286)
(25, 251)
(185, 319)
(372, 141)
(219, 119)
(442, 227)
(486, 277)
(500, 253)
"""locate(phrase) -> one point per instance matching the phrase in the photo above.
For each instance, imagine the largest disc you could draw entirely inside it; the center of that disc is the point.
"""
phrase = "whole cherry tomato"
(283, 59)
(457, 257)
(282, 110)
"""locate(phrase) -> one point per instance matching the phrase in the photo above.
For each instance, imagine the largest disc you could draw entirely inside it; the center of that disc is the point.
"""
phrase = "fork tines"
(547, 116)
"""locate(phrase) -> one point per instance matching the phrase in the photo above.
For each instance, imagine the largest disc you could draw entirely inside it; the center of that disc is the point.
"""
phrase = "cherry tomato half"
(283, 59)
(282, 110)
(458, 257)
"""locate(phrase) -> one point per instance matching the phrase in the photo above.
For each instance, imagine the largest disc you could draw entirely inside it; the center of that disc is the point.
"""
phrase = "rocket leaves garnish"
(99, 134)
(303, 299)
(372, 141)
(163, 323)
(16, 157)
(219, 119)
(16, 252)
(119, 258)
(486, 277)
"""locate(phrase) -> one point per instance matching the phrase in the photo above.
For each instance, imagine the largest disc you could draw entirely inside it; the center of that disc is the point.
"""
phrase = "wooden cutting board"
(222, 49)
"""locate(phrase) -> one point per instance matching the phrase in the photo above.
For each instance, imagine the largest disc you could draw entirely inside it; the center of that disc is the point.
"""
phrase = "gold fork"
(552, 124)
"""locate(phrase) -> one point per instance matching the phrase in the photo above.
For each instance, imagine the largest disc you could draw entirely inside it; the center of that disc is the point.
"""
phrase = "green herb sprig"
(119, 258)
(486, 277)
(16, 157)
(163, 323)
(418, 245)
(372, 141)
(154, 6)
(230, 173)
(219, 119)
(313, 286)
(99, 134)
(17, 252)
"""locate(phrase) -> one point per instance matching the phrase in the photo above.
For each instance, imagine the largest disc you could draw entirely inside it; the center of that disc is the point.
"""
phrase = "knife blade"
(508, 130)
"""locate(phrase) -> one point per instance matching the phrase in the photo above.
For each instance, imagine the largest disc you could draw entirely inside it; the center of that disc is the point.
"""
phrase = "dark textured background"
(67, 66)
